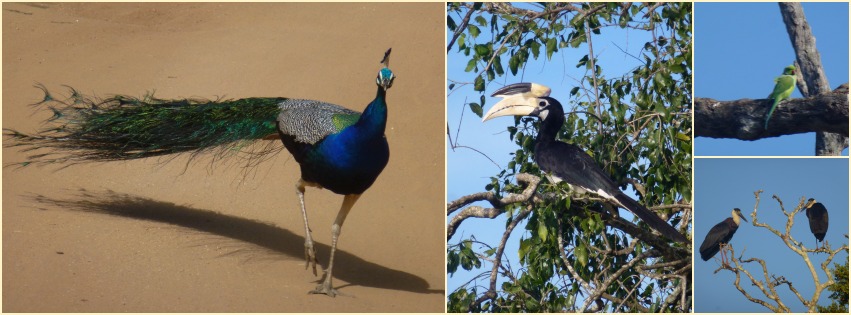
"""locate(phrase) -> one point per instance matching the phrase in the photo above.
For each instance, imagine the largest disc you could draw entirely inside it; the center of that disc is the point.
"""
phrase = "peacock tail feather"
(88, 129)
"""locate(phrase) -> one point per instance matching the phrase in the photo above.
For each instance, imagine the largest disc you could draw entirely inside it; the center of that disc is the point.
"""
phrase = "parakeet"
(783, 87)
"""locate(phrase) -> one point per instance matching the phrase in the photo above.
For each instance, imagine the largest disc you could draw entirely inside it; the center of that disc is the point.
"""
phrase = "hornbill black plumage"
(720, 234)
(817, 215)
(566, 162)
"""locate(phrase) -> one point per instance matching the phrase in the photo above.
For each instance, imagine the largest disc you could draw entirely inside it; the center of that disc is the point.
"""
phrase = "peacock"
(336, 148)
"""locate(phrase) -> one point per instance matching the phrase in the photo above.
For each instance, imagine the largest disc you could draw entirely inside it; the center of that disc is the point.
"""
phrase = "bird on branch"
(817, 215)
(720, 235)
(784, 85)
(566, 162)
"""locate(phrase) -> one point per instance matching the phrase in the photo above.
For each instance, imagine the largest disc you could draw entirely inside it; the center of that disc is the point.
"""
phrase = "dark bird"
(566, 162)
(338, 149)
(817, 215)
(720, 235)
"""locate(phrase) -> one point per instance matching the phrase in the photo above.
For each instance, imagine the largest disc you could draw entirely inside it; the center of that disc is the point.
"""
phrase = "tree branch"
(460, 29)
(491, 293)
(498, 204)
(744, 119)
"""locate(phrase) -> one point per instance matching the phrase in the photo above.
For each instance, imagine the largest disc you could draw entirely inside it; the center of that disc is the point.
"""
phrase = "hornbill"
(566, 162)
(817, 215)
(720, 234)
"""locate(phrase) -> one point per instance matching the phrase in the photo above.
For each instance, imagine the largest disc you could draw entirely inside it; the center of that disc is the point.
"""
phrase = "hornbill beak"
(519, 99)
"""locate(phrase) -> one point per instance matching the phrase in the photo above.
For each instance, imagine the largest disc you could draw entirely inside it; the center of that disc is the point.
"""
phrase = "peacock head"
(385, 76)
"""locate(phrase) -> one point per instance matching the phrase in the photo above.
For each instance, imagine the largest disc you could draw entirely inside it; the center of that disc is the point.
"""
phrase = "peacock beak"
(385, 78)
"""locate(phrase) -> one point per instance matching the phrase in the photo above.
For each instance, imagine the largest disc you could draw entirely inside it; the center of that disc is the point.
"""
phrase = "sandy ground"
(139, 236)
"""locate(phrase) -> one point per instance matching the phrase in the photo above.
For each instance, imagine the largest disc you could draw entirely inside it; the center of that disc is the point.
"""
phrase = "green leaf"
(481, 20)
(513, 64)
(536, 48)
(451, 23)
(470, 65)
(497, 65)
(476, 108)
(542, 232)
(479, 84)
(482, 50)
(551, 47)
(474, 30)
(581, 254)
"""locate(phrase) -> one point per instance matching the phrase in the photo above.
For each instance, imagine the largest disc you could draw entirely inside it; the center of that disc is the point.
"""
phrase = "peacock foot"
(325, 287)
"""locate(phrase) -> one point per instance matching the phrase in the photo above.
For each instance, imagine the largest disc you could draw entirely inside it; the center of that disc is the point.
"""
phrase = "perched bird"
(817, 215)
(783, 87)
(719, 235)
(338, 149)
(566, 162)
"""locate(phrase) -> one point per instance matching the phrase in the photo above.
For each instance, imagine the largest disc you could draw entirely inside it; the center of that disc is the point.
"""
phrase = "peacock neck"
(374, 117)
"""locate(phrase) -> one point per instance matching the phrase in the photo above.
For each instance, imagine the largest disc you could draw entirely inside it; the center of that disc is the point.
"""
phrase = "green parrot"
(783, 87)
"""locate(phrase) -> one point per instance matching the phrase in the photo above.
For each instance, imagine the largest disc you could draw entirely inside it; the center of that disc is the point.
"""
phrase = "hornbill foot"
(310, 255)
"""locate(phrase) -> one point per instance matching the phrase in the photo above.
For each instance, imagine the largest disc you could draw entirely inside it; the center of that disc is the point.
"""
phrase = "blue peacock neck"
(374, 118)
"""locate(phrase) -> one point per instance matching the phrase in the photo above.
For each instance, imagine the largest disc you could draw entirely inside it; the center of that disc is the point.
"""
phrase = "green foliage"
(636, 125)
(838, 291)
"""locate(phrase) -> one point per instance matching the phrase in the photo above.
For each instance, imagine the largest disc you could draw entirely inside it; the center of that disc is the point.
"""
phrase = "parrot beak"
(519, 99)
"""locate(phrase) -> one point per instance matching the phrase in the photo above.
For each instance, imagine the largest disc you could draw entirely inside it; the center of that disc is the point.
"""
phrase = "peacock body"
(337, 148)
(341, 150)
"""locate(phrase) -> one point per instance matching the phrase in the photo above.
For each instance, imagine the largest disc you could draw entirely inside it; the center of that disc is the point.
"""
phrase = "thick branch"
(744, 119)
(498, 204)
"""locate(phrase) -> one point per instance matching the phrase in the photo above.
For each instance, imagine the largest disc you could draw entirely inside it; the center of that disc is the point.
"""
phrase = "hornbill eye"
(542, 103)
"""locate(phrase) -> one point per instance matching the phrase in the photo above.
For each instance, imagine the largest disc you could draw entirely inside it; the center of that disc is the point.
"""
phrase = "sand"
(144, 236)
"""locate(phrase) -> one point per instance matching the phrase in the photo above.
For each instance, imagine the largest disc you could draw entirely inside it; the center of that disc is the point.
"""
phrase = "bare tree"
(768, 284)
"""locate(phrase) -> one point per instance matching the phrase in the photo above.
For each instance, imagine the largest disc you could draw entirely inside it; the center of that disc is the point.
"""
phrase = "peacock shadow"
(252, 239)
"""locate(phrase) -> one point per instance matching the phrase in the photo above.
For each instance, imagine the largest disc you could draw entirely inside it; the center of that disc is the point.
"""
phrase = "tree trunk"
(811, 78)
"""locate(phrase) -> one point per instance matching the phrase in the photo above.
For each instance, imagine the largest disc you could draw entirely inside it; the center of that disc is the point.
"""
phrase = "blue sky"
(741, 47)
(724, 184)
(469, 171)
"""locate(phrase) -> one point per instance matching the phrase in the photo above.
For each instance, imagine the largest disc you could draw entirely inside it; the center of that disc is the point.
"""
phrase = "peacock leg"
(309, 252)
(325, 287)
